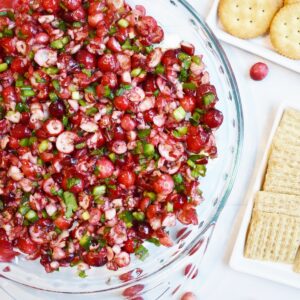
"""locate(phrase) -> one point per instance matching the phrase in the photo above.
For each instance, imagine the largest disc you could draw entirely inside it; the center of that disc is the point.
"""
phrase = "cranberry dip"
(103, 134)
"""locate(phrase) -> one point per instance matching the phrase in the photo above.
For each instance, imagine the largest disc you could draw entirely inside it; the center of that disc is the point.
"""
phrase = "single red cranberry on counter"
(189, 296)
(259, 71)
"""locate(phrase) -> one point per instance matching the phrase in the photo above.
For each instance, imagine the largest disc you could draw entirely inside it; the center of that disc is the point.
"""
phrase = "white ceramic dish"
(260, 46)
(282, 273)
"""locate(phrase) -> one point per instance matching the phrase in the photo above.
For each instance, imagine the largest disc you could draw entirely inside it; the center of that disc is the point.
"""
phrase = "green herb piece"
(183, 56)
(85, 242)
(142, 134)
(199, 170)
(90, 90)
(56, 85)
(208, 99)
(71, 203)
(191, 163)
(156, 93)
(20, 81)
(189, 86)
(98, 151)
(139, 216)
(112, 30)
(141, 252)
(179, 114)
(77, 24)
(51, 70)
(184, 75)
(150, 195)
(65, 121)
(72, 182)
(85, 216)
(53, 97)
(136, 72)
(154, 241)
(112, 156)
(87, 72)
(24, 209)
(196, 60)
(127, 45)
(108, 93)
(22, 107)
(149, 49)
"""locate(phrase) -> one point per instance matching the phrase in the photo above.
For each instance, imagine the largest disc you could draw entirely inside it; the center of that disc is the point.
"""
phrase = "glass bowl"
(180, 22)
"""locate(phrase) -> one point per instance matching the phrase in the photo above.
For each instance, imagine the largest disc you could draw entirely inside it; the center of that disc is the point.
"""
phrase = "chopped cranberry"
(164, 184)
(95, 259)
(57, 109)
(259, 71)
(129, 246)
(50, 6)
(128, 123)
(18, 65)
(197, 142)
(107, 63)
(86, 59)
(26, 245)
(188, 103)
(121, 103)
(127, 178)
(62, 223)
(213, 118)
(144, 231)
(72, 4)
(109, 79)
(20, 131)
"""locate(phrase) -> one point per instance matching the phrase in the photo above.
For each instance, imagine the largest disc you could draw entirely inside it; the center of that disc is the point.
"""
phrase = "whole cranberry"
(259, 71)
(87, 59)
(128, 123)
(164, 185)
(196, 142)
(121, 103)
(144, 231)
(188, 103)
(50, 6)
(105, 168)
(107, 63)
(18, 65)
(72, 4)
(57, 109)
(20, 131)
(95, 259)
(127, 178)
(9, 94)
(213, 118)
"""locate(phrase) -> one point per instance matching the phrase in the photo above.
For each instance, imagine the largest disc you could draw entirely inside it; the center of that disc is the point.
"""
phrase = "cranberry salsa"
(103, 136)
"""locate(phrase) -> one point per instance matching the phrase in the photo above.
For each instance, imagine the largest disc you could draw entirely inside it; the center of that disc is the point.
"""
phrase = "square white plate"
(260, 46)
(282, 273)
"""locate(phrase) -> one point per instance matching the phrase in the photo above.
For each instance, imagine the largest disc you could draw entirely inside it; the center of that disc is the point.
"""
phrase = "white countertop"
(260, 100)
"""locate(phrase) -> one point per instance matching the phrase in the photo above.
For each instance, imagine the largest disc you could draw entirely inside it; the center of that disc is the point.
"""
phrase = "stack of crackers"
(248, 19)
(274, 230)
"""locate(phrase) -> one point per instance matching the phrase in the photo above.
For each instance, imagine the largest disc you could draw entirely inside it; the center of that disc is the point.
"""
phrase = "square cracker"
(277, 203)
(296, 267)
(273, 237)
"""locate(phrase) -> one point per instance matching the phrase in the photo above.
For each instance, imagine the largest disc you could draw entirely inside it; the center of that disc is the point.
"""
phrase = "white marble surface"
(260, 99)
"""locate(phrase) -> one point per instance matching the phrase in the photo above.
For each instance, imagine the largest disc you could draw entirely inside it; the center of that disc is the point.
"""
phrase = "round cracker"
(247, 18)
(285, 31)
(288, 2)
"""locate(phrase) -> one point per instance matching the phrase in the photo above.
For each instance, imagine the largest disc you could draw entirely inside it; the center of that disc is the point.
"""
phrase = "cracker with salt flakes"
(247, 18)
(285, 31)
(296, 267)
(288, 2)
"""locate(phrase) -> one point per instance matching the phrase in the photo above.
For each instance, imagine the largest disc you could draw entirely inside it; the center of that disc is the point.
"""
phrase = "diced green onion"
(82, 102)
(85, 242)
(136, 72)
(53, 97)
(28, 93)
(99, 190)
(24, 209)
(154, 241)
(127, 217)
(123, 23)
(31, 216)
(57, 44)
(3, 67)
(196, 60)
(91, 111)
(80, 145)
(72, 182)
(183, 56)
(20, 81)
(43, 146)
(191, 163)
(112, 30)
(180, 132)
(51, 70)
(149, 150)
(141, 252)
(127, 45)
(178, 178)
(56, 85)
(160, 69)
(77, 24)
(139, 216)
(179, 114)
(144, 133)
(82, 274)
(71, 203)
(156, 93)
(87, 72)
(169, 207)
(112, 157)
(24, 142)
(150, 195)
(199, 170)
(75, 95)
(189, 86)
(22, 107)
(149, 49)
(208, 99)
(65, 121)
(85, 216)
